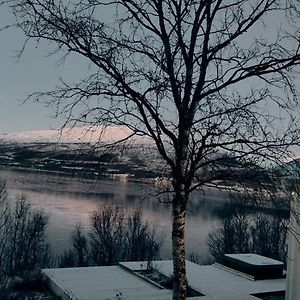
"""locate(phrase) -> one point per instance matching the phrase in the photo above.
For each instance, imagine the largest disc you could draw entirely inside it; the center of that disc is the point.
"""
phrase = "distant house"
(242, 277)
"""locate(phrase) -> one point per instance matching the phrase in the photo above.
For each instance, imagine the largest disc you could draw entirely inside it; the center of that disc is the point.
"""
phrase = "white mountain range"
(84, 134)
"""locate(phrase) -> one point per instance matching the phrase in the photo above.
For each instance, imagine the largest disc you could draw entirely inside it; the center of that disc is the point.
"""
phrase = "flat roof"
(98, 283)
(217, 283)
(255, 259)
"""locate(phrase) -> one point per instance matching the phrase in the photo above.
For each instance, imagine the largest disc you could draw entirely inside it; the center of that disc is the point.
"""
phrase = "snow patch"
(84, 134)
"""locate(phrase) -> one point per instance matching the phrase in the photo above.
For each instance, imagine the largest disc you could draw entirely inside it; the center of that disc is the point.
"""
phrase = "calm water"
(69, 200)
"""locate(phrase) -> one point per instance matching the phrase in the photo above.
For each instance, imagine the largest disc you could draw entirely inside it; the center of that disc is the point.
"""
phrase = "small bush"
(113, 237)
(33, 281)
(5, 290)
(27, 249)
(23, 246)
(78, 254)
(258, 233)
(141, 242)
(107, 236)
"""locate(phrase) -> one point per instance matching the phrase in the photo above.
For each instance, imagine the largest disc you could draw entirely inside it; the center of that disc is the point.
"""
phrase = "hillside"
(79, 159)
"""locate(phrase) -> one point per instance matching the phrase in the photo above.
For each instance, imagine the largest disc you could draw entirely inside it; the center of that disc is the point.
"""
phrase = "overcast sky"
(33, 72)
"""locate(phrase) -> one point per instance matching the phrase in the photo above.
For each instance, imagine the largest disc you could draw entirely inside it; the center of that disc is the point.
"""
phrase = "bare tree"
(4, 228)
(270, 236)
(232, 236)
(116, 237)
(246, 231)
(23, 245)
(78, 255)
(197, 77)
(26, 248)
(141, 243)
(107, 236)
(80, 244)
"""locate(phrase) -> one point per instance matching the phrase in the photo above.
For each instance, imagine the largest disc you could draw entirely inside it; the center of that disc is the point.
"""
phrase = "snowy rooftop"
(254, 259)
(95, 283)
(105, 283)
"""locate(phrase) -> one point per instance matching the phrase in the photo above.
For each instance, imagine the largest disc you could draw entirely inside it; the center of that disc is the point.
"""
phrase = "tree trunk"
(178, 244)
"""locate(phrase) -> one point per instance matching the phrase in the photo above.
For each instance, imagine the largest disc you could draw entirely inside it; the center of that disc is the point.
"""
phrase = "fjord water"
(70, 200)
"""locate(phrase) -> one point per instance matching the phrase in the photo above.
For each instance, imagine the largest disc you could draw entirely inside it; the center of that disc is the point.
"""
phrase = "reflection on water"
(69, 200)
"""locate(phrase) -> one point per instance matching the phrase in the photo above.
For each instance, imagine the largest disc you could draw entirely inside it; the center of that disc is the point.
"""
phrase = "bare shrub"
(78, 254)
(141, 242)
(107, 236)
(232, 236)
(260, 233)
(269, 236)
(67, 259)
(114, 237)
(4, 289)
(4, 229)
(80, 245)
(27, 246)
(23, 246)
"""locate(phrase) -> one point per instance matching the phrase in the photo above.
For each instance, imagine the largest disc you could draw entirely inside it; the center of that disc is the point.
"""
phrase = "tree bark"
(178, 245)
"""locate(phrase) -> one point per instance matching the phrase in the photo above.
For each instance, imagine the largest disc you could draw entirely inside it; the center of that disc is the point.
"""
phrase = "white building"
(239, 280)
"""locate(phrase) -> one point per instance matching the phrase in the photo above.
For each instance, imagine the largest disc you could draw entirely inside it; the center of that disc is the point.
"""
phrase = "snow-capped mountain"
(84, 134)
